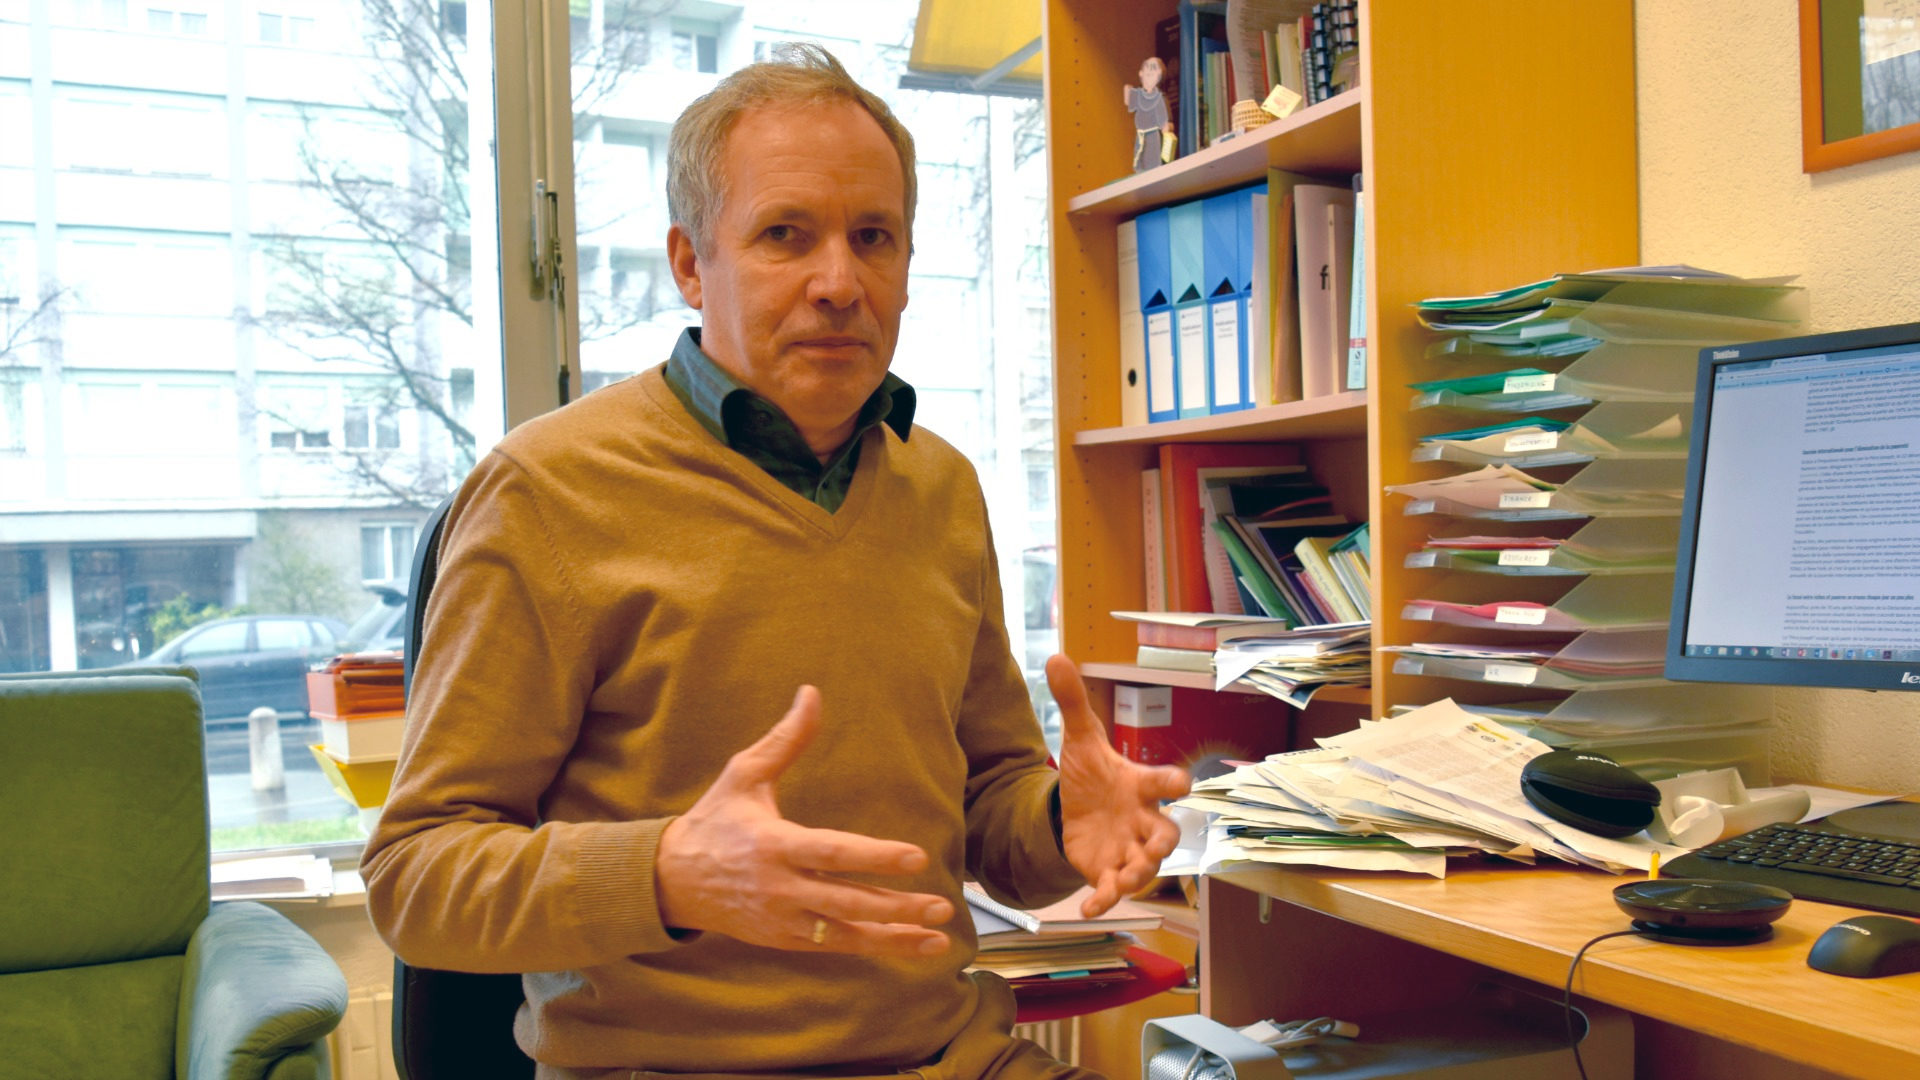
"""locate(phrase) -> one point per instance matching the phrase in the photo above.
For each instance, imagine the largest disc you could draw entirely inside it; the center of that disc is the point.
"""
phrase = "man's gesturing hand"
(1110, 818)
(732, 865)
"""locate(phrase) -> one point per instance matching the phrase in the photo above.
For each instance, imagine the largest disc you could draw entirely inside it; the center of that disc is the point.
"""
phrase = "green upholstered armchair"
(113, 962)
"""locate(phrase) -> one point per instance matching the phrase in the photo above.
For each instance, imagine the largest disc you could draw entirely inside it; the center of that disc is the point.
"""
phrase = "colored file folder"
(1226, 220)
(1156, 311)
(1186, 239)
(1133, 332)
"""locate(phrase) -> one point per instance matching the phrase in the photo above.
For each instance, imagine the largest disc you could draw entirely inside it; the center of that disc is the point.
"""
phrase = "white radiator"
(362, 1046)
(1061, 1038)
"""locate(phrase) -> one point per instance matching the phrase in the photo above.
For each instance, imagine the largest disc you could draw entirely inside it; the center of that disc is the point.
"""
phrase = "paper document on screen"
(1842, 529)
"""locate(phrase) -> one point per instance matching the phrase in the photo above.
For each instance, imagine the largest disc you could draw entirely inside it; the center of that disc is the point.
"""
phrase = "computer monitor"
(1799, 555)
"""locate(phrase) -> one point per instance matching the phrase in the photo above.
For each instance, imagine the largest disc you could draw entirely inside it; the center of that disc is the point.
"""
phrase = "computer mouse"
(1867, 947)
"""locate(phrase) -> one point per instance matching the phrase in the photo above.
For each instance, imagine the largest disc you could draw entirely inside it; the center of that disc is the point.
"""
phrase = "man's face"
(801, 291)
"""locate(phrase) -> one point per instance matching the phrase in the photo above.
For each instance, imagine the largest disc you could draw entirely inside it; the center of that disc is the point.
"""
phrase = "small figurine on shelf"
(1153, 136)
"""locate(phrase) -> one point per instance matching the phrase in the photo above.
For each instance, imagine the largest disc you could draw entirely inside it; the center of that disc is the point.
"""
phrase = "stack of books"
(1054, 948)
(360, 701)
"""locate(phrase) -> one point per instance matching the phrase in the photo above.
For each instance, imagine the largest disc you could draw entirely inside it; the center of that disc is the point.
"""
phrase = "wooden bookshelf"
(1498, 145)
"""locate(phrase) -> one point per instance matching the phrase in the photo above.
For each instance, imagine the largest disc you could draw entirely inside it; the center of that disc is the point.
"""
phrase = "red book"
(1180, 486)
(1202, 730)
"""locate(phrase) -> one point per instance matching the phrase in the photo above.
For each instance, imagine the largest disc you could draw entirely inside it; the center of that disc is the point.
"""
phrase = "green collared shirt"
(757, 429)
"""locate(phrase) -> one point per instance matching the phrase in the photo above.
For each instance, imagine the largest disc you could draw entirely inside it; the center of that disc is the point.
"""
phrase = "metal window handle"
(549, 273)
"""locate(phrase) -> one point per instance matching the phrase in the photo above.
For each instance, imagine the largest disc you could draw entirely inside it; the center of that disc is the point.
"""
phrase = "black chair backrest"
(449, 1023)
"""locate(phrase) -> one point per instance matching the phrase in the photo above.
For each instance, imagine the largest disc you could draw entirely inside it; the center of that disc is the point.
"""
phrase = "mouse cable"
(1566, 994)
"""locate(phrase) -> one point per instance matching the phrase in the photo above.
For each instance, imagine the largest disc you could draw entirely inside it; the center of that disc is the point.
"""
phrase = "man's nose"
(835, 281)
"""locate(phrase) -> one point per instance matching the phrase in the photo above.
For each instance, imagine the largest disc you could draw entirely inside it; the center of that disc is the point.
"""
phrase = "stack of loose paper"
(1569, 314)
(1054, 943)
(1403, 793)
(1291, 664)
(1294, 666)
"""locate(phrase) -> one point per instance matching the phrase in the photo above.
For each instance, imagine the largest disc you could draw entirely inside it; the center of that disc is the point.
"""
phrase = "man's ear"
(685, 264)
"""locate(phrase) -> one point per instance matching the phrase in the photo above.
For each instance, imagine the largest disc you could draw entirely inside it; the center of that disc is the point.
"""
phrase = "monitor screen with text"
(1799, 558)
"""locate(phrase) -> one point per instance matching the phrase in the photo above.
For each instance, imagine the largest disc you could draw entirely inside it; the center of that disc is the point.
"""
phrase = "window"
(295, 418)
(371, 427)
(286, 22)
(386, 552)
(696, 47)
(139, 132)
(187, 22)
(13, 413)
(270, 335)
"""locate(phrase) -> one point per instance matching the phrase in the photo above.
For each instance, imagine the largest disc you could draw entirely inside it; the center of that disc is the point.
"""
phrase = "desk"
(1349, 943)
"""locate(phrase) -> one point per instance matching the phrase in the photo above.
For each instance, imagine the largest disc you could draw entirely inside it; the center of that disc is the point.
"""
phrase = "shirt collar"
(711, 393)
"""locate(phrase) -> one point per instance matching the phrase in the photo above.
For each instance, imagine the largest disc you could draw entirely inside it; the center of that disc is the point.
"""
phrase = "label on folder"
(1191, 325)
(1419, 560)
(1226, 353)
(1526, 500)
(1527, 384)
(1160, 362)
(1510, 673)
(1532, 440)
(1525, 557)
(1520, 616)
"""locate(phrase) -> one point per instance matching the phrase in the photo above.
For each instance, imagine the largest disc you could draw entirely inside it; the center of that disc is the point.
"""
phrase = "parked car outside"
(247, 661)
(383, 624)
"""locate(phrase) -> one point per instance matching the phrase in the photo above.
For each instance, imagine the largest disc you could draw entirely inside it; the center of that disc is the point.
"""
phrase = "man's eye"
(780, 234)
(872, 237)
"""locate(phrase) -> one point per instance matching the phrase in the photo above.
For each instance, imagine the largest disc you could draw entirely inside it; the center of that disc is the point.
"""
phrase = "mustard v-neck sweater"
(624, 603)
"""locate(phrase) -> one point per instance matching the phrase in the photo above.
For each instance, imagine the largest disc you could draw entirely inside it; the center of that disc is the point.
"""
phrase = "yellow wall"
(1721, 187)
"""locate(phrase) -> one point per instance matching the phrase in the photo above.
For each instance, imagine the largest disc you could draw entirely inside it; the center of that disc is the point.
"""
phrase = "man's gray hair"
(799, 74)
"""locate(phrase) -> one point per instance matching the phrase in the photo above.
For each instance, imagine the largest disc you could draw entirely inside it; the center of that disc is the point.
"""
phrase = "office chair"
(448, 1023)
(113, 959)
(460, 1024)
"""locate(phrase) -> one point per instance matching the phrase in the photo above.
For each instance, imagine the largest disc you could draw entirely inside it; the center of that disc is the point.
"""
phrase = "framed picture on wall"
(1859, 80)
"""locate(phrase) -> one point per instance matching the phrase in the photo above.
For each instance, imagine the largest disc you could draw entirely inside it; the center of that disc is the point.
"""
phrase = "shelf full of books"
(1549, 549)
(1253, 571)
(1222, 57)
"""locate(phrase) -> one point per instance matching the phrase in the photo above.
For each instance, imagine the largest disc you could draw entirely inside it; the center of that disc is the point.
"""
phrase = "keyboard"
(1814, 863)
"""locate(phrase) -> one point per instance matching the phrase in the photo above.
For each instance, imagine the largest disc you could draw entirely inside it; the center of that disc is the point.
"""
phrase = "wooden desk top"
(1531, 920)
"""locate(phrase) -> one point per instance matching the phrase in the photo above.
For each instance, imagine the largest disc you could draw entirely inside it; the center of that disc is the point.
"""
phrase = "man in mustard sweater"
(716, 707)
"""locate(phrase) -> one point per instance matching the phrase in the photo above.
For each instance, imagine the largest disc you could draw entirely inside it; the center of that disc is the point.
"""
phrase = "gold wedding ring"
(819, 931)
